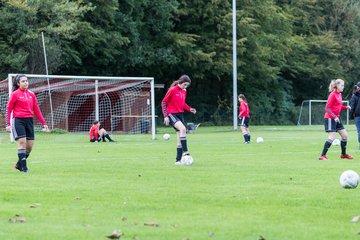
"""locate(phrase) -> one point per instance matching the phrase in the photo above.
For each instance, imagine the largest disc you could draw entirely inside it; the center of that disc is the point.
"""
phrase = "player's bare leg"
(103, 133)
(182, 136)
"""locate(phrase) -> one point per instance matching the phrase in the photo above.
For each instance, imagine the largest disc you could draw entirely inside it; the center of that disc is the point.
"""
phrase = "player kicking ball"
(173, 106)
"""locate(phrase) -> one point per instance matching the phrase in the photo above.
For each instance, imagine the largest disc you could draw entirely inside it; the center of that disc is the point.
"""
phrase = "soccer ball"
(259, 140)
(166, 136)
(336, 142)
(349, 179)
(187, 160)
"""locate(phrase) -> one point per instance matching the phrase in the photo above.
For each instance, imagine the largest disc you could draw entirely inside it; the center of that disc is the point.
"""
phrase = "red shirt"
(174, 101)
(334, 105)
(94, 132)
(244, 110)
(23, 104)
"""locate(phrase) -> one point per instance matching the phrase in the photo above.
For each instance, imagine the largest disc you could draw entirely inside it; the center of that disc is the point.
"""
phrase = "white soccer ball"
(259, 140)
(336, 142)
(187, 160)
(349, 179)
(166, 136)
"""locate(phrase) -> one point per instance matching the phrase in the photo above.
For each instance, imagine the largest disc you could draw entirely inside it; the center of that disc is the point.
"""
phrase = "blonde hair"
(334, 83)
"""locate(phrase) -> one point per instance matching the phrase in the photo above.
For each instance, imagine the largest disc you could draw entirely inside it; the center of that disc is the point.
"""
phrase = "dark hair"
(16, 81)
(96, 122)
(182, 79)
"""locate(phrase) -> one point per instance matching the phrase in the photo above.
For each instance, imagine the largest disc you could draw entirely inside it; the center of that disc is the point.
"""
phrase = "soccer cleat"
(23, 166)
(347, 156)
(247, 142)
(17, 167)
(179, 163)
(323, 158)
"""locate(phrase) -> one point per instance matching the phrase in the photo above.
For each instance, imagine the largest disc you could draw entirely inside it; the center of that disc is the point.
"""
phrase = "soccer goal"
(72, 103)
(312, 112)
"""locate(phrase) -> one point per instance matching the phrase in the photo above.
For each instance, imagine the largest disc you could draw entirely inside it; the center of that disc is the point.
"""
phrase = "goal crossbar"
(310, 112)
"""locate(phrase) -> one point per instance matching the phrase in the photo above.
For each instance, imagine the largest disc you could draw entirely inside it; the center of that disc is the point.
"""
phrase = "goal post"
(312, 112)
(72, 103)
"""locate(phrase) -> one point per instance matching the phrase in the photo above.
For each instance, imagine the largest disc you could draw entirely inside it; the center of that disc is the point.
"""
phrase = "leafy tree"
(23, 22)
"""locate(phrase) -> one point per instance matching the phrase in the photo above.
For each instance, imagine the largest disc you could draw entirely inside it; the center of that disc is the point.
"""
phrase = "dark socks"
(184, 144)
(108, 137)
(343, 146)
(327, 145)
(22, 160)
(178, 153)
(247, 137)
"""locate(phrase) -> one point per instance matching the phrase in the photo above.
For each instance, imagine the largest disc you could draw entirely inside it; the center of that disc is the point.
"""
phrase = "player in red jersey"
(96, 134)
(173, 106)
(332, 121)
(23, 105)
(244, 116)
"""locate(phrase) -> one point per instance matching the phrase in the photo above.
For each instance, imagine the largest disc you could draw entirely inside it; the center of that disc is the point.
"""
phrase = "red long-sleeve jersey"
(94, 132)
(334, 105)
(244, 110)
(174, 101)
(23, 104)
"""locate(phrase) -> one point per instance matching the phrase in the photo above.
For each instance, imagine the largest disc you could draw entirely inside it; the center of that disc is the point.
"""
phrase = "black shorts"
(176, 117)
(23, 127)
(332, 126)
(244, 121)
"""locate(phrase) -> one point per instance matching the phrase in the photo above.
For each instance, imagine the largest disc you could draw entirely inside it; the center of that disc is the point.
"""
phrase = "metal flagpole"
(235, 101)
(49, 90)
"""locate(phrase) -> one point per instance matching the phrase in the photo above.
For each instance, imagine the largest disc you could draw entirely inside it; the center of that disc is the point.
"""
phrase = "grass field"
(278, 189)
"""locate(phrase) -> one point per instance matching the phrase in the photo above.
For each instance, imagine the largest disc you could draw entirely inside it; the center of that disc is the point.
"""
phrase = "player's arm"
(329, 105)
(187, 107)
(345, 107)
(242, 110)
(9, 109)
(164, 102)
(164, 105)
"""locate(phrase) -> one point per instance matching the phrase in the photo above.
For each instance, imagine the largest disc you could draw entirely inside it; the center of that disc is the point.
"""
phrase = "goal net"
(312, 112)
(72, 103)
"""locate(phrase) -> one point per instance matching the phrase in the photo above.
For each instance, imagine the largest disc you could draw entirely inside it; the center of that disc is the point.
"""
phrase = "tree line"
(288, 50)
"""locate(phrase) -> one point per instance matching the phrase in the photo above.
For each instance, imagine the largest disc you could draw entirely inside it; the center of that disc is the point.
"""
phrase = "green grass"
(277, 189)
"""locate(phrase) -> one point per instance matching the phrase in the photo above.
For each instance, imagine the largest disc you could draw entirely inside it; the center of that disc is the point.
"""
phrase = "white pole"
(49, 90)
(12, 140)
(235, 113)
(310, 112)
(347, 113)
(97, 100)
(152, 93)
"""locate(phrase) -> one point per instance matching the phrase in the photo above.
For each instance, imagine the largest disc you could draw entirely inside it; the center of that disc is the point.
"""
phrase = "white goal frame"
(319, 101)
(150, 101)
